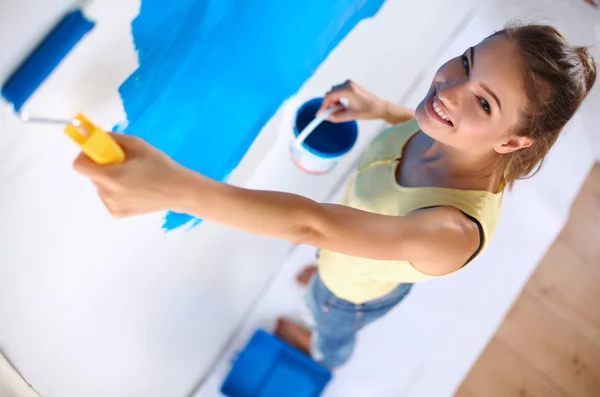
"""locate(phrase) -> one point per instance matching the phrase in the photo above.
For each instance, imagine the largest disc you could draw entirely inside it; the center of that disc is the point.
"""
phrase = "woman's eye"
(485, 105)
(465, 61)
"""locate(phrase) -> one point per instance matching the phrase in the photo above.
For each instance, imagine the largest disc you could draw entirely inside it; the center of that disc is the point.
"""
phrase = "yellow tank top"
(374, 188)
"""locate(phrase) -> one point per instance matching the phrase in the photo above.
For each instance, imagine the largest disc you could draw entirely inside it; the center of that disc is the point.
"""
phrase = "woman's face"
(476, 98)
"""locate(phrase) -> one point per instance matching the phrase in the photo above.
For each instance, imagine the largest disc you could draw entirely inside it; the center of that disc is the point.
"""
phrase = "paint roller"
(96, 143)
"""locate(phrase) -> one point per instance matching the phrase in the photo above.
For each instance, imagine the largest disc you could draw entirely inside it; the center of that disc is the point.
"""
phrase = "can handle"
(317, 121)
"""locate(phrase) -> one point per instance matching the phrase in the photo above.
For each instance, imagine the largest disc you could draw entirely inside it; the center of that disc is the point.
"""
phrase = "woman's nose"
(450, 94)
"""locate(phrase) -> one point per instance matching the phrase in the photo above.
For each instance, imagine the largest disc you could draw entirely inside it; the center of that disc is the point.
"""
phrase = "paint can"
(318, 144)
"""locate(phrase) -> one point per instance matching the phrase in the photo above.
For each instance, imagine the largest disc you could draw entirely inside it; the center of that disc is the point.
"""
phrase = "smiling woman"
(425, 199)
(467, 95)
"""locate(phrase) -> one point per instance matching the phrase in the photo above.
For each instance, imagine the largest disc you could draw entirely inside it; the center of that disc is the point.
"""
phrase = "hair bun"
(589, 66)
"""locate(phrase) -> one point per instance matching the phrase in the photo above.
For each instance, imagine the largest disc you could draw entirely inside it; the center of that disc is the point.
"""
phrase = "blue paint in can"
(326, 144)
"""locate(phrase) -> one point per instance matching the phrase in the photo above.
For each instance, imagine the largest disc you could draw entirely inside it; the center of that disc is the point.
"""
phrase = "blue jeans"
(338, 321)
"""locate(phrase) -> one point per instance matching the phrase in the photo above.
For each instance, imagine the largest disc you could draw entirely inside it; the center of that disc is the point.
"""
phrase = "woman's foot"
(294, 335)
(305, 276)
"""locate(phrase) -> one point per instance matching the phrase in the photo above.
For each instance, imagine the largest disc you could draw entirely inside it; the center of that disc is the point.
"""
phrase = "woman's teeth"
(438, 109)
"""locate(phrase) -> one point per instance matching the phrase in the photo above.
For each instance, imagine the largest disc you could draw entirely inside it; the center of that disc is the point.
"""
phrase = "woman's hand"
(147, 182)
(362, 105)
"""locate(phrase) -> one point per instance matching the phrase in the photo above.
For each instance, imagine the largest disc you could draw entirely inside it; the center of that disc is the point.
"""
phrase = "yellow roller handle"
(96, 143)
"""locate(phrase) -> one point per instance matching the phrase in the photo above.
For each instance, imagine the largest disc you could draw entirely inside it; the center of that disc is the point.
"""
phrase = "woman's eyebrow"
(485, 87)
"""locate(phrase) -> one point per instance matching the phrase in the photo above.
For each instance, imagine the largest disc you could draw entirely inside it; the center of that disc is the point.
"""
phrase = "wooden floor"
(549, 343)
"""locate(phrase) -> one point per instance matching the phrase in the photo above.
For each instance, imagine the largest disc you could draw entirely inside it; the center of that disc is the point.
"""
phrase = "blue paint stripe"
(212, 73)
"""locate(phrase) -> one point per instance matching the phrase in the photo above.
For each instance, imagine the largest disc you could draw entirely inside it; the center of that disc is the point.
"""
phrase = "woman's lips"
(435, 110)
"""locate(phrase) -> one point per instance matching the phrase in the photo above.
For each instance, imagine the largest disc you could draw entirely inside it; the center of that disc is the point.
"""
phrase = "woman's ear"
(513, 144)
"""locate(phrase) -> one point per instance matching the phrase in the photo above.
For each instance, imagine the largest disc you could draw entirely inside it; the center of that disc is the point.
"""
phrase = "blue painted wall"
(212, 72)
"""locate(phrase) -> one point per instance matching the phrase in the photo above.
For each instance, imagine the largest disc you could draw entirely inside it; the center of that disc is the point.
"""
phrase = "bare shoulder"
(450, 238)
(447, 219)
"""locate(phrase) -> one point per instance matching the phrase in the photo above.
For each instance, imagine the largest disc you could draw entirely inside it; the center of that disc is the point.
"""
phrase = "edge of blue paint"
(213, 72)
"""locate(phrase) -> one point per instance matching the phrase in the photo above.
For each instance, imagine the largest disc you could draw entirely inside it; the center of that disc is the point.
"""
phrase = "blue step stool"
(268, 367)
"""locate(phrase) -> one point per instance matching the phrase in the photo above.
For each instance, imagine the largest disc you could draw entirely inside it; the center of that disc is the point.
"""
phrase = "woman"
(425, 199)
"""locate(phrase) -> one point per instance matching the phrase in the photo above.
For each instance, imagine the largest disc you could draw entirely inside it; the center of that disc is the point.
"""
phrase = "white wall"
(91, 306)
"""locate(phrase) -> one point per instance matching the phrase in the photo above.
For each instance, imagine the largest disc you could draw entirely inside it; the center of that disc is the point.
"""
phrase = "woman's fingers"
(340, 117)
(337, 92)
(335, 99)
(85, 166)
(332, 99)
(344, 85)
(136, 186)
(131, 145)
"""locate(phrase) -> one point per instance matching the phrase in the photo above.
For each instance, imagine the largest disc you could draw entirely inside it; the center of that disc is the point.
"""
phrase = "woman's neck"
(466, 169)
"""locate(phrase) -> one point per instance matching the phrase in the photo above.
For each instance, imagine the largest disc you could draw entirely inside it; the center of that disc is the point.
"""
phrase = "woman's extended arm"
(436, 241)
